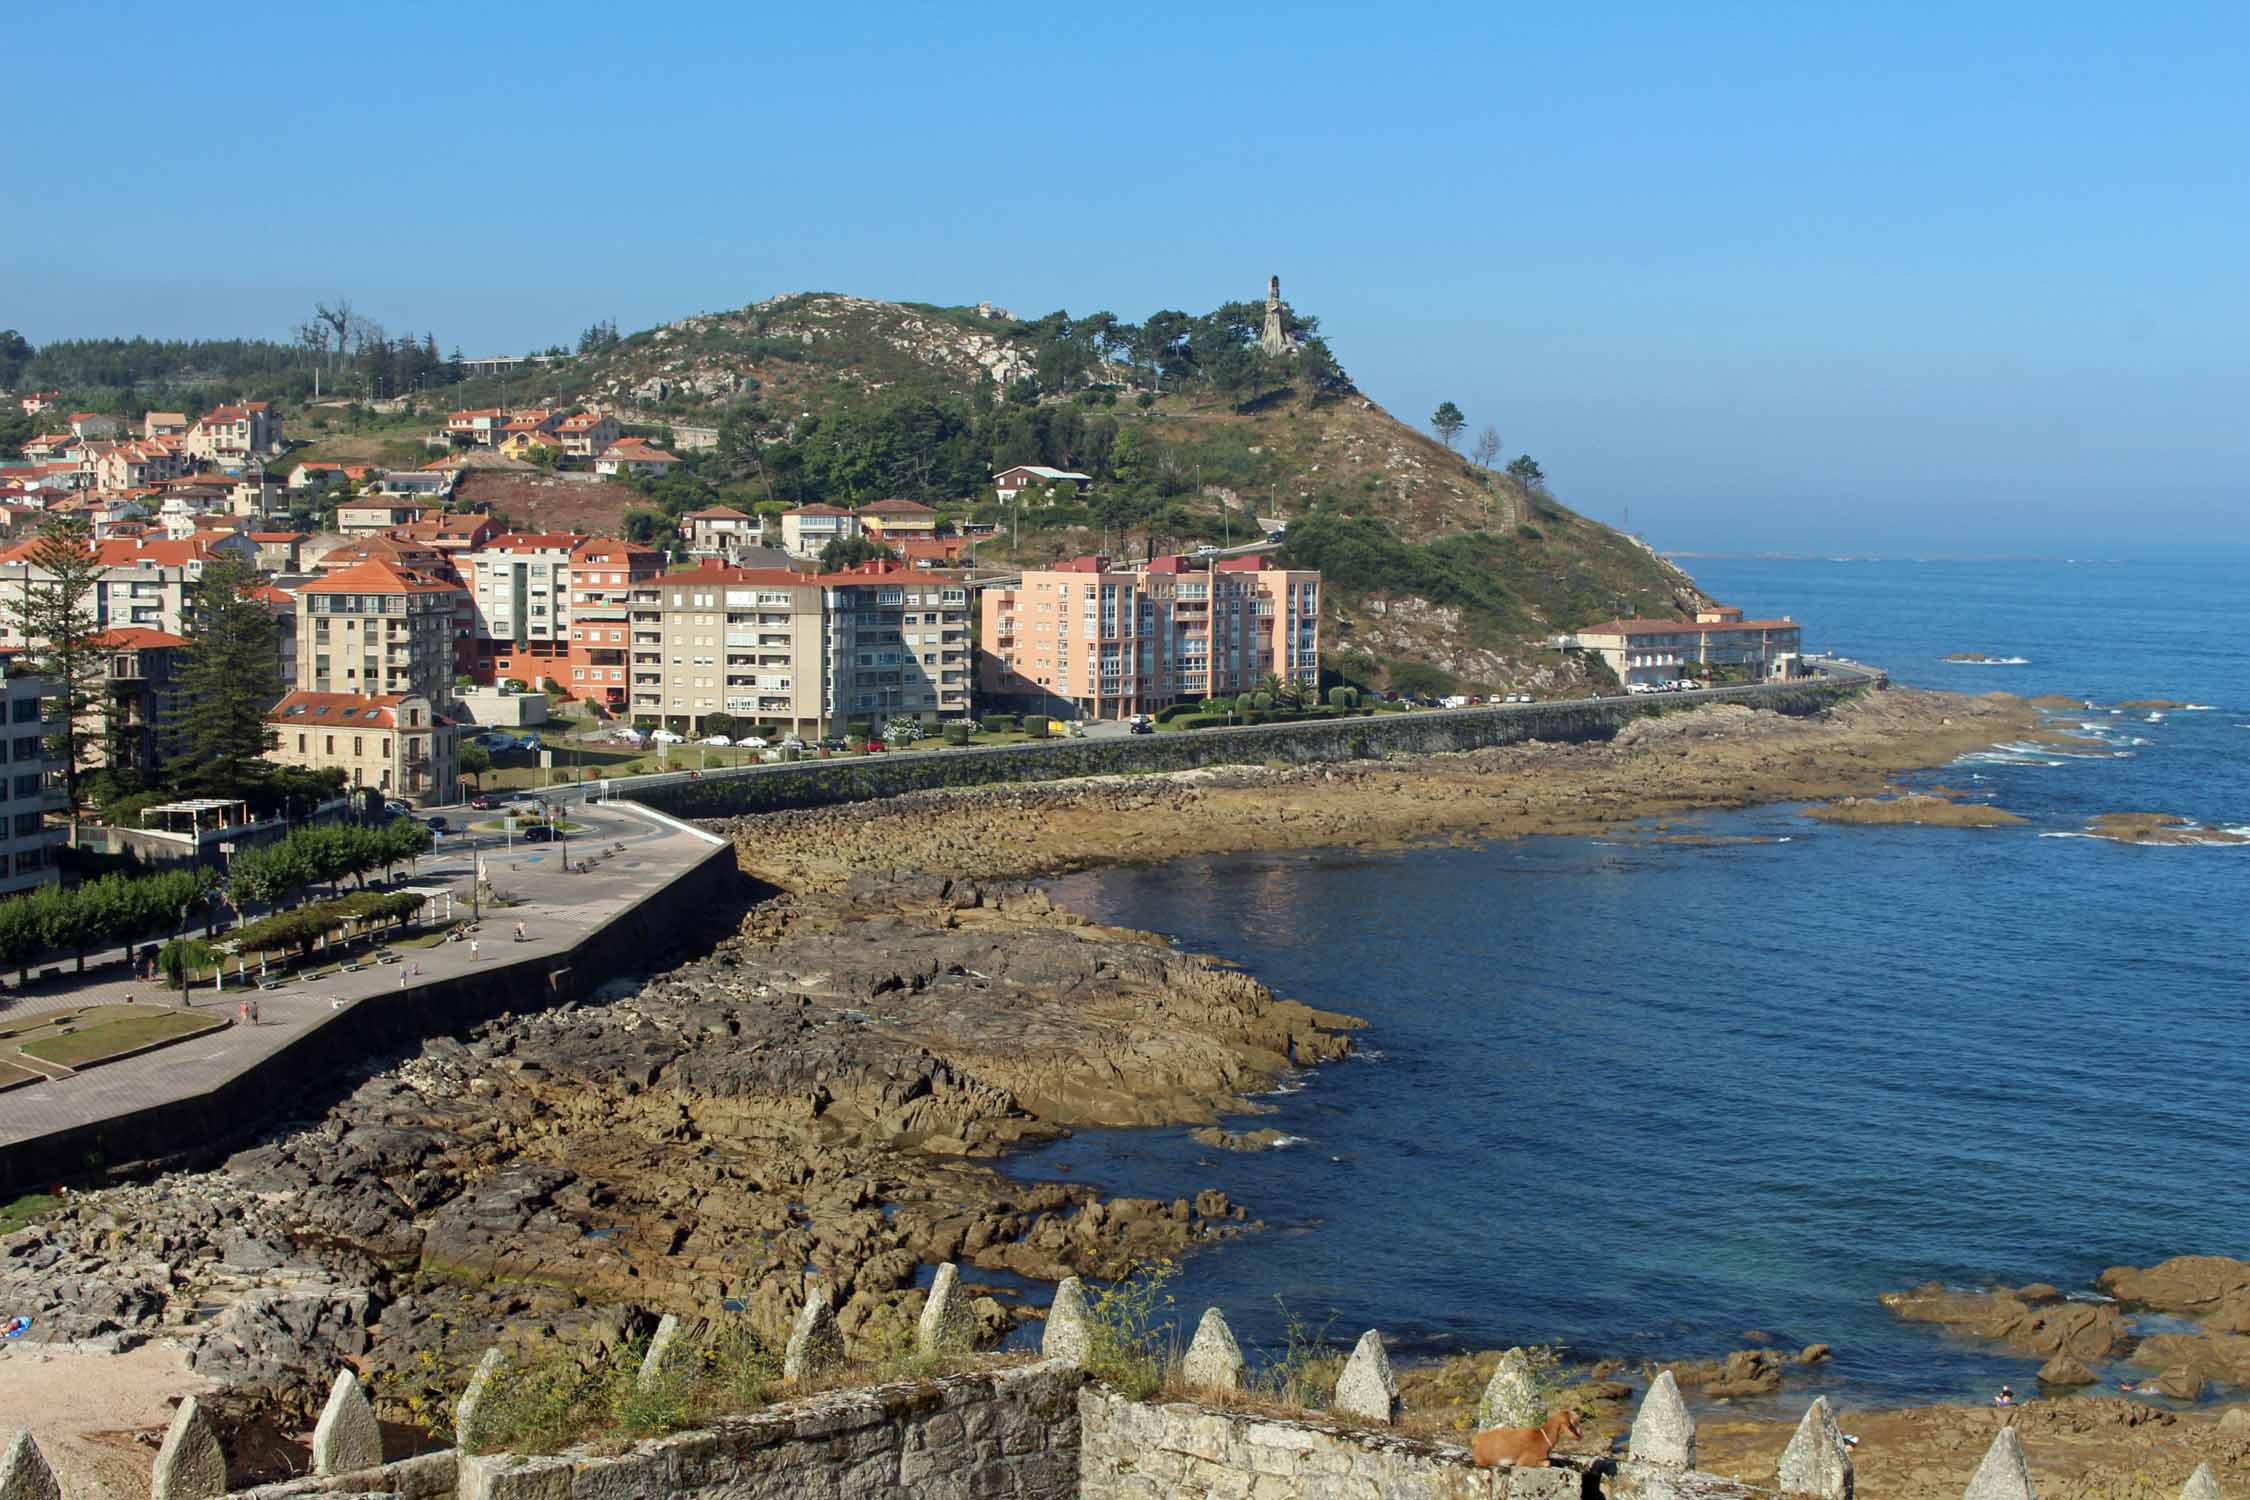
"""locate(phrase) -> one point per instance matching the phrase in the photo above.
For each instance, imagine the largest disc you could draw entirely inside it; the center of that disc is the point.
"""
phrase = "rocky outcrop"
(822, 1092)
(2033, 1320)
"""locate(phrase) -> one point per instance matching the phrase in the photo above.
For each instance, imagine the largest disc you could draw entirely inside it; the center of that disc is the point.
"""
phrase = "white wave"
(1990, 661)
(2198, 708)
(2004, 758)
(1369, 1054)
(1287, 1141)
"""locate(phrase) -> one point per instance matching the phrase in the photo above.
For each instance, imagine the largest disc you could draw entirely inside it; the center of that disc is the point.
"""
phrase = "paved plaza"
(557, 910)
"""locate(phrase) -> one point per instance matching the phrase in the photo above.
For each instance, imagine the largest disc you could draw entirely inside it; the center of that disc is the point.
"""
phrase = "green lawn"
(29, 1209)
(108, 1038)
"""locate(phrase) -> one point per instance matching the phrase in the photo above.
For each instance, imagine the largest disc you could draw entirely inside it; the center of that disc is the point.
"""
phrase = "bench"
(386, 958)
(351, 968)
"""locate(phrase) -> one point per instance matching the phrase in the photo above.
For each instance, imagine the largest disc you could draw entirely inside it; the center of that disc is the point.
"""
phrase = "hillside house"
(92, 425)
(156, 424)
(809, 528)
(1036, 484)
(587, 434)
(719, 530)
(635, 457)
(893, 521)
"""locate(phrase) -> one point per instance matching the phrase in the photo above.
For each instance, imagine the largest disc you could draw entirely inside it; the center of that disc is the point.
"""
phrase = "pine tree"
(54, 613)
(229, 680)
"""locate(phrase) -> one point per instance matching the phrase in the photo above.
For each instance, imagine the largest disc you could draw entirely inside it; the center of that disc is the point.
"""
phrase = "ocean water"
(1638, 1097)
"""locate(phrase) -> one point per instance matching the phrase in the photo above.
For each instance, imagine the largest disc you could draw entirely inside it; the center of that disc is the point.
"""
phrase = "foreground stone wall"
(1133, 1451)
(822, 783)
(1002, 1433)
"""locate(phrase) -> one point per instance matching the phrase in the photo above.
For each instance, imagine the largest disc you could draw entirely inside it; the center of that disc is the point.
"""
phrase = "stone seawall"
(198, 1129)
(1002, 1433)
(822, 783)
(1130, 1450)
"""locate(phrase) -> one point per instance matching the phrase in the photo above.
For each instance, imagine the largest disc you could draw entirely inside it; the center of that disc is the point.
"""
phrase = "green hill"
(1191, 433)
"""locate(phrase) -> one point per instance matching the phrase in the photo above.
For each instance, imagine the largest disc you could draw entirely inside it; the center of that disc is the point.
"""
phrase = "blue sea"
(1637, 1097)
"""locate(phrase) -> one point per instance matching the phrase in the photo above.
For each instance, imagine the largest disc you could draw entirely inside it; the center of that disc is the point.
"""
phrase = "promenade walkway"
(557, 910)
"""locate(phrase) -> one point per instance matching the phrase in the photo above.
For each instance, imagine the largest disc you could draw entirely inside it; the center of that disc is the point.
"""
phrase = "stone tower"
(1273, 340)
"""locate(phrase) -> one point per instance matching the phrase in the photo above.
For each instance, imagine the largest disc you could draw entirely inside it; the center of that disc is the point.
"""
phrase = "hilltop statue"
(1273, 340)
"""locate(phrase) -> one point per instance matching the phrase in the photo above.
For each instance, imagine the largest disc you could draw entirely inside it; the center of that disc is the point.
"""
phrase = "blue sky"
(1917, 278)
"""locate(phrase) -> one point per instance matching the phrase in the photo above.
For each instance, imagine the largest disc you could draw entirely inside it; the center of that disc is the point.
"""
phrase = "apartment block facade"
(375, 629)
(790, 650)
(29, 787)
(1086, 639)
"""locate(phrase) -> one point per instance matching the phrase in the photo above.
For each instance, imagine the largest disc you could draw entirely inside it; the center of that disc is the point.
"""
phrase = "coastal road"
(556, 908)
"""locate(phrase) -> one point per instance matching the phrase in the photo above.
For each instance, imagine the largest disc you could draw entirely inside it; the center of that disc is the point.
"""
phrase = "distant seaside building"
(1654, 652)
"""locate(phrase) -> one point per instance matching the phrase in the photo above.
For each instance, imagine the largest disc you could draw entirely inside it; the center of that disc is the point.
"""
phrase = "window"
(26, 711)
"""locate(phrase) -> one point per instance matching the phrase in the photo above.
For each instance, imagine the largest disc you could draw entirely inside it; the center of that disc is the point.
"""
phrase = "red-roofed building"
(143, 580)
(808, 529)
(481, 427)
(636, 457)
(719, 530)
(454, 532)
(893, 521)
(35, 402)
(1652, 653)
(587, 434)
(232, 436)
(394, 743)
(376, 627)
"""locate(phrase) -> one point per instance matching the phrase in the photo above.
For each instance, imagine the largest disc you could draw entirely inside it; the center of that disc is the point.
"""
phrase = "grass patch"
(1133, 1333)
(94, 1043)
(10, 1075)
(29, 1209)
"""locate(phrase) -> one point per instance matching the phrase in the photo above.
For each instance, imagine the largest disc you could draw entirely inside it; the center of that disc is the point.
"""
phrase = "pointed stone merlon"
(1816, 1462)
(346, 1439)
(815, 1342)
(24, 1474)
(946, 1327)
(191, 1465)
(1367, 1388)
(1069, 1333)
(1511, 1396)
(2200, 1485)
(472, 1399)
(1214, 1360)
(1663, 1432)
(2003, 1475)
(659, 1350)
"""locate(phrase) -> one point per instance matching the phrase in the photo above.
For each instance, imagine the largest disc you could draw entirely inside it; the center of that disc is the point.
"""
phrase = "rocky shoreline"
(820, 1096)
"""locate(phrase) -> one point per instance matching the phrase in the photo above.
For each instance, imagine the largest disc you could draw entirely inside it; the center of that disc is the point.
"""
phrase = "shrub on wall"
(956, 731)
(1000, 723)
(1038, 726)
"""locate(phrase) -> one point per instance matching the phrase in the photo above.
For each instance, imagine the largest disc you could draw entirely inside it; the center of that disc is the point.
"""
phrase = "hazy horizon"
(1903, 284)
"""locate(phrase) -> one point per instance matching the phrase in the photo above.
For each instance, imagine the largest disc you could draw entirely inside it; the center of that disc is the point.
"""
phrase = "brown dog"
(1522, 1447)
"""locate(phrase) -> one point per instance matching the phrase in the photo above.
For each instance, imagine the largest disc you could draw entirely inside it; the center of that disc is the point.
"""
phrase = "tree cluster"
(324, 854)
(96, 914)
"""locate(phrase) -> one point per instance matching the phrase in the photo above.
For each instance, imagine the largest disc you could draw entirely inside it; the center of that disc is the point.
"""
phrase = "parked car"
(538, 833)
(718, 739)
(876, 747)
(756, 742)
(835, 742)
(435, 825)
(397, 809)
(1519, 698)
(667, 737)
(791, 743)
(485, 803)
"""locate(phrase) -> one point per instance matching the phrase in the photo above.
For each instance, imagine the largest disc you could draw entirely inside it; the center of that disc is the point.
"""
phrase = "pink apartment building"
(1088, 639)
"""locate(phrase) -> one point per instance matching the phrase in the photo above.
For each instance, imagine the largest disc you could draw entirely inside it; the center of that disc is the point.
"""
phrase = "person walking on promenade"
(254, 1012)
(520, 934)
(474, 945)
